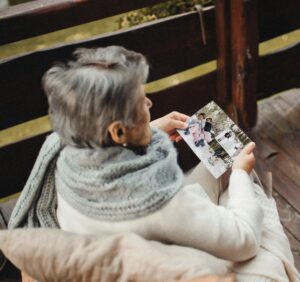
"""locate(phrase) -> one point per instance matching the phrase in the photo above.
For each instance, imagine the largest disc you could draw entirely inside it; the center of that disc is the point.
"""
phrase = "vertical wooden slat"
(244, 56)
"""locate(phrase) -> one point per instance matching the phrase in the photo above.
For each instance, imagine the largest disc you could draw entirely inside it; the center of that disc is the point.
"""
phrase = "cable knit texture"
(91, 181)
(115, 183)
(37, 204)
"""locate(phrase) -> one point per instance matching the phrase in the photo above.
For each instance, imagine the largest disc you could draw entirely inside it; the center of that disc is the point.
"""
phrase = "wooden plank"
(43, 16)
(16, 162)
(276, 147)
(277, 17)
(291, 98)
(244, 58)
(171, 45)
(276, 135)
(282, 178)
(289, 217)
(285, 170)
(281, 119)
(279, 71)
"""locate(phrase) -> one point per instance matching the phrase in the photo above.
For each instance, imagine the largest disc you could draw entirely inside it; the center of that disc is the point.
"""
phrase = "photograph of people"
(195, 131)
(209, 133)
(212, 128)
(201, 130)
(230, 142)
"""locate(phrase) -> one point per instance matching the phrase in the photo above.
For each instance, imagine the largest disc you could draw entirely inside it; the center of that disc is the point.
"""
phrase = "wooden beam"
(237, 53)
(43, 16)
(244, 44)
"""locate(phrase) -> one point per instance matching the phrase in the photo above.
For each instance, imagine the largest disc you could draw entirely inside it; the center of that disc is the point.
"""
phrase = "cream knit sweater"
(189, 219)
(236, 230)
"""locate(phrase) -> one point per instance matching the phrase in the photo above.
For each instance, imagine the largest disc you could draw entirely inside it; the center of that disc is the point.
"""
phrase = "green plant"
(158, 11)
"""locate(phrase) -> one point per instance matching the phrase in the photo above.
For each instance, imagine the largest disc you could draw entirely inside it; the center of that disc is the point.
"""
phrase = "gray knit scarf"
(111, 184)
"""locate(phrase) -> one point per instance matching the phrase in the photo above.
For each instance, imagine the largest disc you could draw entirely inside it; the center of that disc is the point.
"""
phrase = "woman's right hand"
(245, 159)
(170, 122)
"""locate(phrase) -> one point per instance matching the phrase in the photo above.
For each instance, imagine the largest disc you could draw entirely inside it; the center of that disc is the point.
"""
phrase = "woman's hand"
(170, 122)
(245, 159)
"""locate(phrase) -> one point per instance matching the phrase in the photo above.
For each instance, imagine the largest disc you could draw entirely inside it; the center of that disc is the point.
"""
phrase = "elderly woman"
(106, 169)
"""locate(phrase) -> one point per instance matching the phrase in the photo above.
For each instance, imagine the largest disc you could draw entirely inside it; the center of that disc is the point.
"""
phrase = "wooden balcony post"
(244, 59)
(237, 57)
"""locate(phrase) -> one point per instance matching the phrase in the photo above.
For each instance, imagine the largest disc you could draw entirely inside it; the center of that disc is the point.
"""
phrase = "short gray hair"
(85, 95)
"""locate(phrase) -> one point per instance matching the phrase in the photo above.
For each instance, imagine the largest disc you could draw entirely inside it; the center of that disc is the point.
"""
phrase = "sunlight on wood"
(68, 35)
(178, 78)
(10, 197)
(24, 130)
(279, 42)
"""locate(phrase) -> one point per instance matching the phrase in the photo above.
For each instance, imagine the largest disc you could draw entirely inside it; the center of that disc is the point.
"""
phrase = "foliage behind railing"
(158, 11)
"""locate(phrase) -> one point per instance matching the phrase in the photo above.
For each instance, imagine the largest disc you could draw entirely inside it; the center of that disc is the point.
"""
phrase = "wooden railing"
(43, 16)
(232, 33)
(171, 45)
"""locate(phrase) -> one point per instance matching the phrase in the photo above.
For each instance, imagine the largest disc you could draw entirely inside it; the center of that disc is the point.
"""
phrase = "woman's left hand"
(170, 122)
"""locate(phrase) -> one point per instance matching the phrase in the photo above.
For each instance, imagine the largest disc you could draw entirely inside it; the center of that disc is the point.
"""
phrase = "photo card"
(214, 138)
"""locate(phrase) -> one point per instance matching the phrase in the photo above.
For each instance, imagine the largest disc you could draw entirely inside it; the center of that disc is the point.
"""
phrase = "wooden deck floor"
(277, 136)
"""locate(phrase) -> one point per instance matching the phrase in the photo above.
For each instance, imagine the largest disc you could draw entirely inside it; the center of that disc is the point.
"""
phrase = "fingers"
(175, 137)
(179, 116)
(245, 160)
(178, 138)
(178, 124)
(249, 148)
(171, 122)
(178, 120)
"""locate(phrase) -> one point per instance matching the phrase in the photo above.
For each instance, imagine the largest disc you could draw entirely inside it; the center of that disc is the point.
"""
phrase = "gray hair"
(85, 95)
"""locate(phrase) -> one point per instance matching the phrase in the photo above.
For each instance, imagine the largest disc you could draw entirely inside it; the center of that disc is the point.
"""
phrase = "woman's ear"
(117, 132)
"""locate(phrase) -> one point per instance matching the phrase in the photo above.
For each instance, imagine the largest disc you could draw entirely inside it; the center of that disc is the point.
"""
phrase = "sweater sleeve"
(231, 233)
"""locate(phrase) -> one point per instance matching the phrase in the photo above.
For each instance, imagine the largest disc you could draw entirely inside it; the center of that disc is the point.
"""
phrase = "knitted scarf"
(111, 184)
